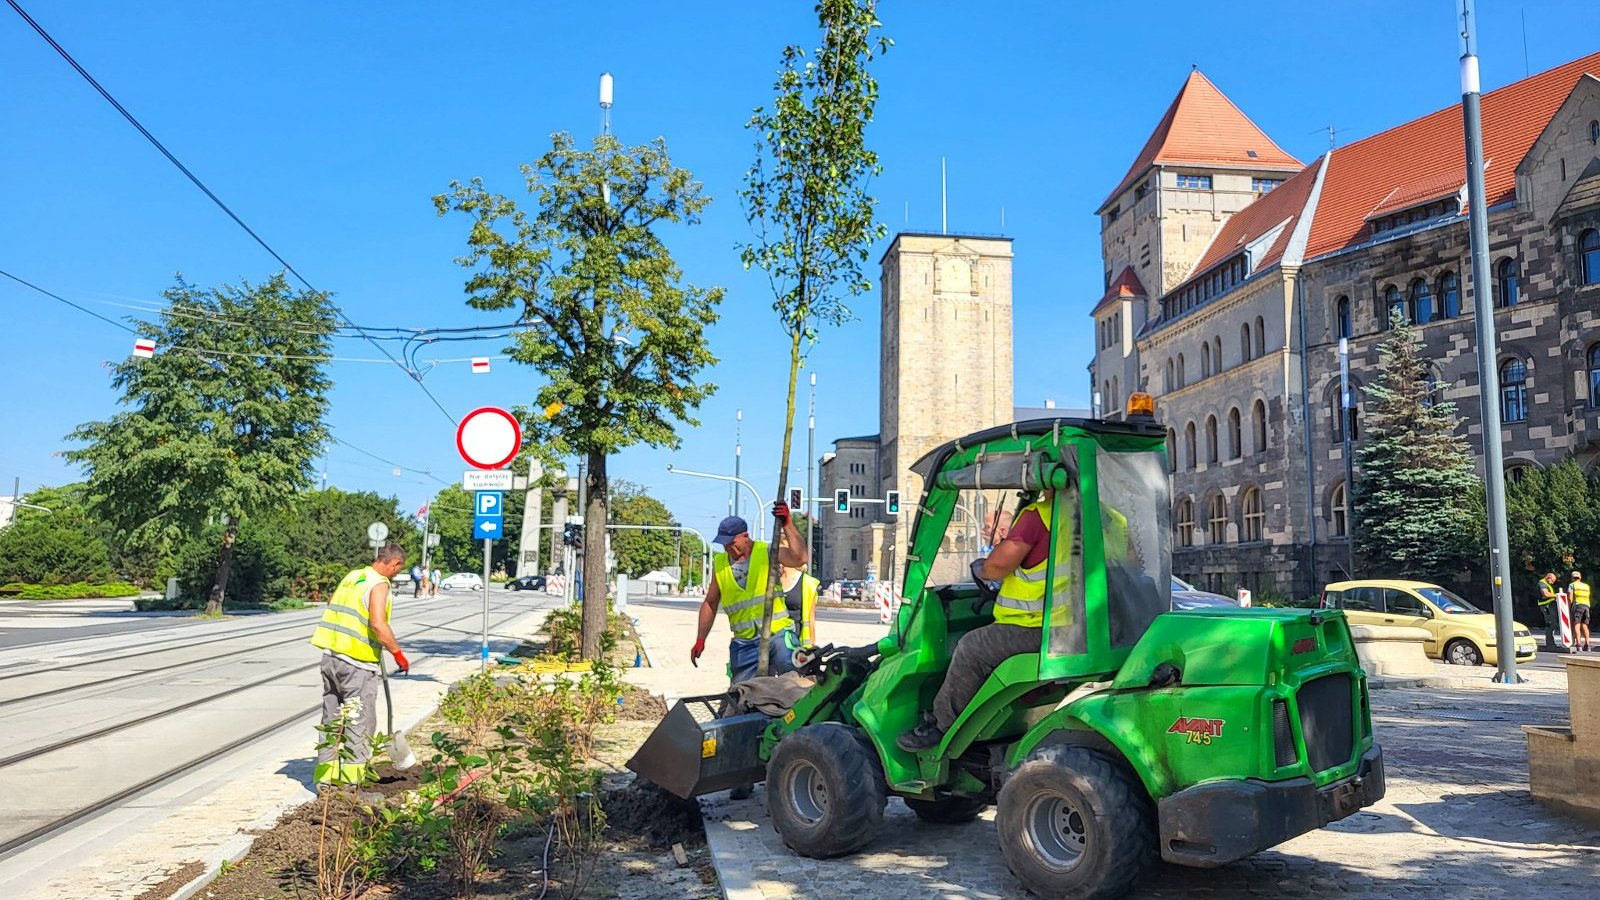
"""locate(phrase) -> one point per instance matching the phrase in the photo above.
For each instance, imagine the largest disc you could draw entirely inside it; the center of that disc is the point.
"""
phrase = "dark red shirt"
(1030, 529)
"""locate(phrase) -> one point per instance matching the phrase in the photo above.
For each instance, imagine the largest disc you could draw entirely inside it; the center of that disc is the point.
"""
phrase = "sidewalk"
(1457, 821)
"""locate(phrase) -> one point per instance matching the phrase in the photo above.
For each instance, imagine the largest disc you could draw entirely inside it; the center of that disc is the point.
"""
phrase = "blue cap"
(731, 527)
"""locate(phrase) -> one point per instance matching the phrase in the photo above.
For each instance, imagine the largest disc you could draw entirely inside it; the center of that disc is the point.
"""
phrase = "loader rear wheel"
(947, 810)
(1074, 824)
(825, 790)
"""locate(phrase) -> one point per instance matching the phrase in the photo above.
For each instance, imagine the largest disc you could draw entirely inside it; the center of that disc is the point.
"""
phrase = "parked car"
(526, 583)
(462, 581)
(850, 590)
(1460, 632)
(1187, 596)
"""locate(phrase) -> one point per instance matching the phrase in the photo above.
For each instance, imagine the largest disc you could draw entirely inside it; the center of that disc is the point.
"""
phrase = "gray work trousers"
(977, 654)
(342, 680)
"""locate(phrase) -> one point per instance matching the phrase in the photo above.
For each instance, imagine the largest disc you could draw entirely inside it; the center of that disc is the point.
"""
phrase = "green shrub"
(287, 603)
(75, 591)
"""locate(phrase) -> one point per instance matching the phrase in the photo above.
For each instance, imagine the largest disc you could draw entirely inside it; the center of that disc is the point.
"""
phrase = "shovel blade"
(689, 756)
(400, 752)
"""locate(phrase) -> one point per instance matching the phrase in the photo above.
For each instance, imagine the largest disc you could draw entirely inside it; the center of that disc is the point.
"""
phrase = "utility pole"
(1346, 421)
(1488, 375)
(811, 485)
(738, 451)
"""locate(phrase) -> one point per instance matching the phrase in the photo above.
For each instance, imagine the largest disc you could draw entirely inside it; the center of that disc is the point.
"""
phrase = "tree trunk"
(774, 567)
(595, 514)
(224, 565)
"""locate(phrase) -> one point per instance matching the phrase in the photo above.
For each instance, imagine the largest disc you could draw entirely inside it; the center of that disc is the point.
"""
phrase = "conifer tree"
(1415, 472)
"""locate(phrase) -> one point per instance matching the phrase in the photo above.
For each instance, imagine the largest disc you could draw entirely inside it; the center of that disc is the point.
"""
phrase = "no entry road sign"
(489, 438)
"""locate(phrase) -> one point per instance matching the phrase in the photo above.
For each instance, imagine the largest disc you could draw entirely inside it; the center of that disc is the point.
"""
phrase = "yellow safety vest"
(1022, 593)
(1580, 593)
(1547, 594)
(743, 604)
(808, 607)
(345, 628)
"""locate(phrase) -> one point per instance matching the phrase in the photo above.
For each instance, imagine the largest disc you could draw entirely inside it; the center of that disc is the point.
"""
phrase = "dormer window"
(1194, 182)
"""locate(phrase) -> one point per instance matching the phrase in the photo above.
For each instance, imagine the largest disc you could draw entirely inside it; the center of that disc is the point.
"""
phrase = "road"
(105, 705)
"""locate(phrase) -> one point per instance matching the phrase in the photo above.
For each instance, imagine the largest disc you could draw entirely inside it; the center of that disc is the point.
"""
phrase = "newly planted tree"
(1416, 475)
(225, 420)
(611, 324)
(806, 196)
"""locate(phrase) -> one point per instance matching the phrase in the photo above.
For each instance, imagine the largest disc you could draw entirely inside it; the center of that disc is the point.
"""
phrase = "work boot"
(926, 735)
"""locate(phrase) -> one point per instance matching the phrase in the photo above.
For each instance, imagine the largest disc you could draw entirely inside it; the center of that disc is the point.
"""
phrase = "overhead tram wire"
(132, 120)
(29, 284)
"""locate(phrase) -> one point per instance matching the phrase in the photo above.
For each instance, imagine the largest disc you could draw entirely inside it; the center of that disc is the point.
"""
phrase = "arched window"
(1244, 342)
(1205, 360)
(1340, 417)
(1258, 424)
(1172, 450)
(1180, 370)
(1219, 519)
(1594, 376)
(1167, 385)
(1105, 398)
(1449, 295)
(1211, 439)
(1589, 255)
(1431, 386)
(1188, 445)
(1594, 131)
(1261, 337)
(1513, 391)
(1505, 288)
(1340, 511)
(1255, 518)
(1392, 303)
(1116, 392)
(1235, 435)
(1421, 305)
(1517, 471)
(1185, 520)
(1343, 307)
(1216, 351)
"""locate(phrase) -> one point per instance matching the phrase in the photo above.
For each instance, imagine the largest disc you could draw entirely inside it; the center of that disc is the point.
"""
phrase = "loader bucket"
(692, 752)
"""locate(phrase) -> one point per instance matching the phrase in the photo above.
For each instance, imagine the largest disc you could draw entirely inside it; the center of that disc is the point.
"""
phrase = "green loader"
(1202, 736)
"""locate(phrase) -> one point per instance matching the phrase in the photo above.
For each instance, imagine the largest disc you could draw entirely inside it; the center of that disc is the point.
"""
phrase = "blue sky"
(329, 127)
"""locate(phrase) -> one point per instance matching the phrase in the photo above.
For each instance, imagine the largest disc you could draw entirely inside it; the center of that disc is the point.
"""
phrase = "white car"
(462, 581)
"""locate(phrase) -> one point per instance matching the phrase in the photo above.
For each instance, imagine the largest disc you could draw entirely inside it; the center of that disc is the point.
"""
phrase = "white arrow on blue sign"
(486, 528)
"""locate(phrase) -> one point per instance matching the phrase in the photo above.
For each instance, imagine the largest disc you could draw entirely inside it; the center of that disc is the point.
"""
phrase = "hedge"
(75, 591)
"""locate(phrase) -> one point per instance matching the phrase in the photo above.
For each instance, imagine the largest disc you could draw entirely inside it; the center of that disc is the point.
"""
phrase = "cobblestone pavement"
(1457, 823)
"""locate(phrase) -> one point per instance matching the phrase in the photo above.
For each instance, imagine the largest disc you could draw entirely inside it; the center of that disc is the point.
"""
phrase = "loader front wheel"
(825, 790)
(1074, 824)
(947, 810)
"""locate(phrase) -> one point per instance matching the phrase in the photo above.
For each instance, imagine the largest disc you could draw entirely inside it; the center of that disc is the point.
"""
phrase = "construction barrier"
(1564, 615)
(833, 594)
(887, 599)
(556, 585)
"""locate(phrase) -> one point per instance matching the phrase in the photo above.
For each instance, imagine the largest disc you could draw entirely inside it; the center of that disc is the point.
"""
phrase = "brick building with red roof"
(1238, 331)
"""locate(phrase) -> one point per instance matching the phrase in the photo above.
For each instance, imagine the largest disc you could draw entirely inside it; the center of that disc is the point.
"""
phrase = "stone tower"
(945, 365)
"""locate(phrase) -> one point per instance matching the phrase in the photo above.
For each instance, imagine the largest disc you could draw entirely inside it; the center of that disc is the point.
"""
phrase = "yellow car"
(1461, 633)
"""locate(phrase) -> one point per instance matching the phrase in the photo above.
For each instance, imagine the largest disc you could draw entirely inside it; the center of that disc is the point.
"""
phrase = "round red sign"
(489, 438)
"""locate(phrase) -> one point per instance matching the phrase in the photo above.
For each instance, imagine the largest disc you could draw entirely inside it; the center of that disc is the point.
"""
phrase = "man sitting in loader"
(739, 584)
(1020, 563)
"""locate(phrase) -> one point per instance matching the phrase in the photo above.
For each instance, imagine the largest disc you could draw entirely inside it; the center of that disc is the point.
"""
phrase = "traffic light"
(841, 500)
(572, 535)
(796, 500)
(891, 502)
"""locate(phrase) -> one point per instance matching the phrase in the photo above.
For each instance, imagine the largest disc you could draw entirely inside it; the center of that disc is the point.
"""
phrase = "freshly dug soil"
(640, 706)
(174, 882)
(646, 812)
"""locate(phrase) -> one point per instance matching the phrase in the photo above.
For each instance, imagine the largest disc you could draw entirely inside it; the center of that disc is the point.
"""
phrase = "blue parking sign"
(487, 528)
(488, 503)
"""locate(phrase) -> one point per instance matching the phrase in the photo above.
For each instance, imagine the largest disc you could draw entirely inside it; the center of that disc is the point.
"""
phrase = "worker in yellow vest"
(1578, 592)
(352, 635)
(1020, 562)
(800, 598)
(739, 585)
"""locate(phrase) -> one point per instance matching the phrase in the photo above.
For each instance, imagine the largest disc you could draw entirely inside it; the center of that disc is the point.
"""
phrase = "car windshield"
(1450, 603)
(1178, 584)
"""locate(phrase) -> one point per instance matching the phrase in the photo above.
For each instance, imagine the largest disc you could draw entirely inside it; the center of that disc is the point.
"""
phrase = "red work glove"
(402, 666)
(780, 511)
(695, 651)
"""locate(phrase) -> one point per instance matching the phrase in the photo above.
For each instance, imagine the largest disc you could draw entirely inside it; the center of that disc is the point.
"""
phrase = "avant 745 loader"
(1203, 736)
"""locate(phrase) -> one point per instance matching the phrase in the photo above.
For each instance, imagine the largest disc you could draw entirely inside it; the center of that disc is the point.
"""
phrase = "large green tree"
(612, 326)
(639, 552)
(223, 422)
(1552, 525)
(1415, 472)
(806, 196)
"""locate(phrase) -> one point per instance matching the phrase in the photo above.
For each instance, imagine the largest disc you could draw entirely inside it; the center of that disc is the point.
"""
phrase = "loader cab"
(1108, 572)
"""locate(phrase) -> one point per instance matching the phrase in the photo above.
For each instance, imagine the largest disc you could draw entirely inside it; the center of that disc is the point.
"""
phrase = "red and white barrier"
(834, 594)
(556, 585)
(887, 599)
(1564, 615)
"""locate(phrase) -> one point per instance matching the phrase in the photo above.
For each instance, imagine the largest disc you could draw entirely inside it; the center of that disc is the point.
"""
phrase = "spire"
(1202, 127)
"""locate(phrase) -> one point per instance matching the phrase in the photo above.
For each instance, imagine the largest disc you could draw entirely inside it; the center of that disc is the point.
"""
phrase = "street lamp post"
(811, 486)
(760, 523)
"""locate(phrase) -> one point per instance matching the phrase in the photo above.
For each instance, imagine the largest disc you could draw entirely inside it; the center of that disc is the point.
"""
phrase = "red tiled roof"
(1283, 206)
(1427, 154)
(1125, 287)
(1202, 127)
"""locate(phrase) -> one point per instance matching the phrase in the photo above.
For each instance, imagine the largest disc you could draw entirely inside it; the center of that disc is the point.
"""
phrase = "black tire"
(825, 790)
(1462, 652)
(1072, 823)
(947, 810)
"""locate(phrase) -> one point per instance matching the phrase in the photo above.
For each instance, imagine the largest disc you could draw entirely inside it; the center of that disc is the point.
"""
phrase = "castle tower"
(945, 365)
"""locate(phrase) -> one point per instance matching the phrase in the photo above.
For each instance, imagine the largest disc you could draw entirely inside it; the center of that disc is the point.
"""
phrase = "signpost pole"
(488, 547)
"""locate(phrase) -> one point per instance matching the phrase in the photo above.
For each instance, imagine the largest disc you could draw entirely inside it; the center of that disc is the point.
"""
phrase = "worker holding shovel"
(352, 635)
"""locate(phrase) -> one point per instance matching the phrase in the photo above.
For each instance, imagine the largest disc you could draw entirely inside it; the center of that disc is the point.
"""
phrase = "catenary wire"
(75, 306)
(132, 120)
